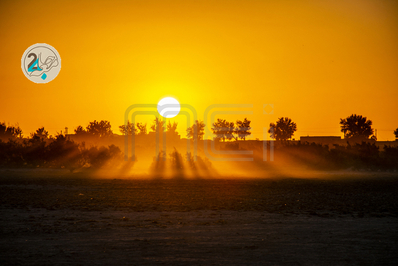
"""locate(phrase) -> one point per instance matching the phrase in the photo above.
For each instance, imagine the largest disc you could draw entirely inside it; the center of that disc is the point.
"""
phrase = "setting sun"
(168, 107)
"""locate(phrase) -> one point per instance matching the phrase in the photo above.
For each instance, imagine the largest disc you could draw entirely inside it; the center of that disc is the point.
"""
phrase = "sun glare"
(168, 107)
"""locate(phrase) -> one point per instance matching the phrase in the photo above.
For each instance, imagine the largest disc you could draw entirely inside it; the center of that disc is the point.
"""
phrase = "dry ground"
(56, 218)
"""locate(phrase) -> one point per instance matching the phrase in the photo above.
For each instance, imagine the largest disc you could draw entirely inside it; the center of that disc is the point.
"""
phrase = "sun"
(168, 107)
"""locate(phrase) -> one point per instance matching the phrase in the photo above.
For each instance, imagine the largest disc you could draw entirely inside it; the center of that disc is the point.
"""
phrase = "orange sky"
(315, 61)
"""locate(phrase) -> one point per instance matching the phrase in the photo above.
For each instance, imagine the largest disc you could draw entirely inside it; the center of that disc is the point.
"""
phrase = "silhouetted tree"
(99, 129)
(128, 129)
(196, 131)
(10, 132)
(141, 128)
(223, 129)
(356, 127)
(396, 133)
(283, 129)
(36, 153)
(12, 153)
(172, 128)
(63, 152)
(243, 128)
(231, 131)
(3, 128)
(40, 133)
(158, 125)
(17, 131)
(80, 131)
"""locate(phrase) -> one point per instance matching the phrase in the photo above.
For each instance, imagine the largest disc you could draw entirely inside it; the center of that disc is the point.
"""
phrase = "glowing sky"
(315, 61)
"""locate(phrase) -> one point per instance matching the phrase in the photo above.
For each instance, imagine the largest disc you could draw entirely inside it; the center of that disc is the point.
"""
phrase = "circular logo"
(41, 63)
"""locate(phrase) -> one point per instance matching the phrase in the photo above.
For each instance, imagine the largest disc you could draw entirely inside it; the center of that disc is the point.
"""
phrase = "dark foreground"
(54, 218)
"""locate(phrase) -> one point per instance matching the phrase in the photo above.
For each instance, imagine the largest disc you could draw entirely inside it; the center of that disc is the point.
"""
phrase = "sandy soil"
(61, 219)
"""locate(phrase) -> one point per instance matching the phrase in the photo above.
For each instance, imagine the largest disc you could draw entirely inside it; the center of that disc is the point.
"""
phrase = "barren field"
(57, 218)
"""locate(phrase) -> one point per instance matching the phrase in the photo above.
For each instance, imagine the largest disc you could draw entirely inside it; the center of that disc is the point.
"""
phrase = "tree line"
(354, 127)
(222, 129)
(43, 150)
(40, 150)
